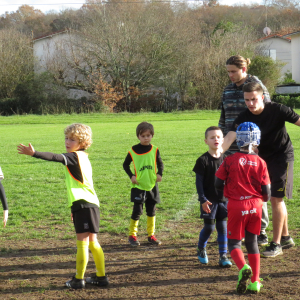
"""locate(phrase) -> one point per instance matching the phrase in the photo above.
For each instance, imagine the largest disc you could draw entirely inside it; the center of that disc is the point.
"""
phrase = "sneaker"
(97, 280)
(202, 256)
(244, 274)
(75, 283)
(153, 240)
(224, 262)
(262, 239)
(133, 241)
(287, 243)
(272, 250)
(254, 287)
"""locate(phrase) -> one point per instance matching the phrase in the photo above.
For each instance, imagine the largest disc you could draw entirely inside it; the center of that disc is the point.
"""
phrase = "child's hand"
(22, 149)
(71, 217)
(5, 217)
(133, 180)
(158, 178)
(205, 207)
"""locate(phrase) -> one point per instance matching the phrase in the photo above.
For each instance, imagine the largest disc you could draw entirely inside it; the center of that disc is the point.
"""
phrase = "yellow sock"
(82, 258)
(133, 227)
(98, 258)
(150, 225)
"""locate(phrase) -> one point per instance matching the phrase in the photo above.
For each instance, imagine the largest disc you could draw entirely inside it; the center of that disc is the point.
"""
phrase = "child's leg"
(221, 226)
(98, 255)
(82, 255)
(253, 254)
(150, 210)
(207, 230)
(134, 221)
(235, 250)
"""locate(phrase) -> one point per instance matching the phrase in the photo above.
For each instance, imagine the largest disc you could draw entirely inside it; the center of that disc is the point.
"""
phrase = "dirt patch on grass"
(38, 270)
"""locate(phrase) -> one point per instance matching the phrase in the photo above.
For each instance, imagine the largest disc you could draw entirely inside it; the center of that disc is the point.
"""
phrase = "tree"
(16, 60)
(132, 46)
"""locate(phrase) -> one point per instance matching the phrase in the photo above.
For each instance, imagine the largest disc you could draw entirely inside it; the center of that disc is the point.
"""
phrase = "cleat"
(202, 256)
(153, 240)
(224, 262)
(272, 250)
(133, 241)
(254, 287)
(97, 280)
(287, 243)
(75, 283)
(244, 274)
(262, 239)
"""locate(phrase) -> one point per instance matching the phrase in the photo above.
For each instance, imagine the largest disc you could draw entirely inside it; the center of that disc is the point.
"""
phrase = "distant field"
(36, 190)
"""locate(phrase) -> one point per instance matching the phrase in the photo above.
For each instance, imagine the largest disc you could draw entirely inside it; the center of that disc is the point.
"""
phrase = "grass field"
(36, 189)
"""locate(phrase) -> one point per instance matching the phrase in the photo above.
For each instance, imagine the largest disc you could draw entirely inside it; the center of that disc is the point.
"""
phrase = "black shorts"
(281, 175)
(218, 211)
(140, 196)
(86, 220)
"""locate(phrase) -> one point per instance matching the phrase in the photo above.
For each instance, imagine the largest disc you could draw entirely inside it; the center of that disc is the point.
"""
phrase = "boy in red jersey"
(247, 183)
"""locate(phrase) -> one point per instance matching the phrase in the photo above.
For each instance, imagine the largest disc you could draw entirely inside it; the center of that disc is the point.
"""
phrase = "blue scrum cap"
(247, 133)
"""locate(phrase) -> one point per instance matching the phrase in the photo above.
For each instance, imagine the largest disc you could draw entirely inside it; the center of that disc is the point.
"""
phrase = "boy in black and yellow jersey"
(82, 200)
(148, 168)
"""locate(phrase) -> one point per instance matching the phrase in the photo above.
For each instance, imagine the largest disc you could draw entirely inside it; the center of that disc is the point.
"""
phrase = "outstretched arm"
(298, 122)
(228, 140)
(22, 149)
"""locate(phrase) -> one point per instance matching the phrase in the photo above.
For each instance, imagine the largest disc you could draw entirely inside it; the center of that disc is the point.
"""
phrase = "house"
(295, 54)
(279, 48)
(52, 53)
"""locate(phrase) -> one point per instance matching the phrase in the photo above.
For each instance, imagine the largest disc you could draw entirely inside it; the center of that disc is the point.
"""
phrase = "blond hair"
(239, 61)
(82, 132)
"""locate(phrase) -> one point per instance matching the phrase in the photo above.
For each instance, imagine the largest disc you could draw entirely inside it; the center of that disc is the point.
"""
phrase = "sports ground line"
(179, 216)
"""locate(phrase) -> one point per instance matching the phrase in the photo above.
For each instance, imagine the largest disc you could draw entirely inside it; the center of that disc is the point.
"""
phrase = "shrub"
(267, 70)
(290, 101)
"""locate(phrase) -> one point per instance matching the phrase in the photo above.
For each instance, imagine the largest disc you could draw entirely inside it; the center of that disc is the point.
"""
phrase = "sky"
(58, 5)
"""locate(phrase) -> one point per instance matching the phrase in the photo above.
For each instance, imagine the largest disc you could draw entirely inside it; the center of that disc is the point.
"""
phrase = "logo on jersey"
(243, 162)
(280, 190)
(245, 198)
(251, 211)
(145, 167)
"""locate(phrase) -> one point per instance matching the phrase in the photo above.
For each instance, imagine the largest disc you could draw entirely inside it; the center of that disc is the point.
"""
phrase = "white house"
(52, 52)
(279, 48)
(295, 49)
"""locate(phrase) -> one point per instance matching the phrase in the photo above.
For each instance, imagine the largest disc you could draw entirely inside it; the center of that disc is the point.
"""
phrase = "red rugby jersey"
(244, 174)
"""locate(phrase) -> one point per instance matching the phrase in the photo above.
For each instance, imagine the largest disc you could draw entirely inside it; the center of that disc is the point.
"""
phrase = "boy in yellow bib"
(148, 168)
(82, 200)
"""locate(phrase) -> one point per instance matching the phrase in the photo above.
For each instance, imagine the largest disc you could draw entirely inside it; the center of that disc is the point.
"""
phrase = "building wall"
(283, 52)
(50, 53)
(296, 57)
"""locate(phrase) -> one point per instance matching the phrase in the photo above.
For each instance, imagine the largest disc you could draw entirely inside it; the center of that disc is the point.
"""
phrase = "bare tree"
(16, 60)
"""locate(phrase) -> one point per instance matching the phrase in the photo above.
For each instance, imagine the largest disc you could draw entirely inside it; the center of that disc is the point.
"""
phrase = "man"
(232, 105)
(277, 150)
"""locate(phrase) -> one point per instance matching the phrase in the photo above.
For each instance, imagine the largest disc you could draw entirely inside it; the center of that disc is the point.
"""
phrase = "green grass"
(36, 189)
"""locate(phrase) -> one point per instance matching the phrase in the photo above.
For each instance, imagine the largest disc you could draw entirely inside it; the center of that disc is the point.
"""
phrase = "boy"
(247, 183)
(144, 188)
(212, 205)
(82, 200)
